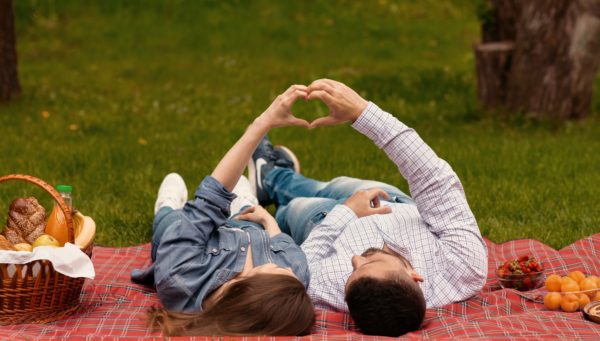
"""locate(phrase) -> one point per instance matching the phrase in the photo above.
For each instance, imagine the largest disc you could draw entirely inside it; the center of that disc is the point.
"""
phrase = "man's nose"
(357, 261)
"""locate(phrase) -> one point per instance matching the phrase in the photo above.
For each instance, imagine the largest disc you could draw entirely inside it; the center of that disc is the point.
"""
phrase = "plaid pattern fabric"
(439, 236)
(113, 307)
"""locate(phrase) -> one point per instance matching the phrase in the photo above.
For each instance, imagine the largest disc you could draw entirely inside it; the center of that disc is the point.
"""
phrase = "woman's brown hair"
(263, 304)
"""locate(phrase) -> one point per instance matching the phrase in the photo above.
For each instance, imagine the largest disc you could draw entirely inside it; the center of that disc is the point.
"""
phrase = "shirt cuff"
(340, 215)
(378, 125)
(213, 191)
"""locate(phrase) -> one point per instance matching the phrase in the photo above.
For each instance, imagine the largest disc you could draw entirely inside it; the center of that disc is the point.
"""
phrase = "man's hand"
(344, 104)
(366, 202)
(279, 114)
(260, 216)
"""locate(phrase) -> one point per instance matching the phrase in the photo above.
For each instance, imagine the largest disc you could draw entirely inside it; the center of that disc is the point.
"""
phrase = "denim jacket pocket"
(216, 249)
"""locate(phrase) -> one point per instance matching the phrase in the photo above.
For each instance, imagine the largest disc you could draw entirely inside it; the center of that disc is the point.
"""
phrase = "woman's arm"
(278, 114)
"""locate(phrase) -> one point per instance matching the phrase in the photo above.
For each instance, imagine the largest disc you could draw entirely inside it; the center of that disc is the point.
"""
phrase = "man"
(371, 249)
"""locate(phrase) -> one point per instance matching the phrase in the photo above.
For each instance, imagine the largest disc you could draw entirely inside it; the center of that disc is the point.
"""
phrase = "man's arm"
(434, 186)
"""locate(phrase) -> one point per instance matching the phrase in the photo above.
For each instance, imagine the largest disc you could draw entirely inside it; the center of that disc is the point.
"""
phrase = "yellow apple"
(46, 240)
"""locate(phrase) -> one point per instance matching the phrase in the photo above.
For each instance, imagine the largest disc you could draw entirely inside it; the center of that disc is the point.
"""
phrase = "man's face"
(377, 263)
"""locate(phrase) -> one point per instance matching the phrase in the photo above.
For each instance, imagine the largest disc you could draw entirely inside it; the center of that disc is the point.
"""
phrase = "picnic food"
(23, 247)
(57, 223)
(26, 221)
(568, 294)
(5, 244)
(570, 303)
(552, 300)
(85, 230)
(523, 273)
(553, 282)
(45, 240)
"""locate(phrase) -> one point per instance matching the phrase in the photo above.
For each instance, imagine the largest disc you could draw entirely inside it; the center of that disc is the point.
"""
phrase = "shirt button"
(243, 249)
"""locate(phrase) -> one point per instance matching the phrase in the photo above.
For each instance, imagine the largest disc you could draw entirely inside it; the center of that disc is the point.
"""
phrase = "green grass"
(151, 87)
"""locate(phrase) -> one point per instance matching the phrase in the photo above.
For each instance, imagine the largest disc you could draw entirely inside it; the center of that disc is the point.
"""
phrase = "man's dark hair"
(389, 307)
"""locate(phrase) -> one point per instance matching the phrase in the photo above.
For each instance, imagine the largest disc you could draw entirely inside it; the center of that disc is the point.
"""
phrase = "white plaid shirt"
(439, 236)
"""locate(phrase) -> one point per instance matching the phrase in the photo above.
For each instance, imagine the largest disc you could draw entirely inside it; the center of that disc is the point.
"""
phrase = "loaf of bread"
(5, 244)
(26, 221)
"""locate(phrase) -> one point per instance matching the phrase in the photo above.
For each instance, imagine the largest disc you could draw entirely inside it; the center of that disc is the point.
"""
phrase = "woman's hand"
(260, 216)
(279, 114)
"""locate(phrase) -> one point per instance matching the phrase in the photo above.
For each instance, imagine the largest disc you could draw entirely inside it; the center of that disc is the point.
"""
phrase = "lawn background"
(118, 93)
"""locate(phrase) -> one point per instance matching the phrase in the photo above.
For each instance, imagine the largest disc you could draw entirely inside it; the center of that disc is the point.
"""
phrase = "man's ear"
(416, 276)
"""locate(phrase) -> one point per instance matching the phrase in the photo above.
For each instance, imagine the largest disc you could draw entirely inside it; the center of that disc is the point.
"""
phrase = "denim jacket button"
(243, 249)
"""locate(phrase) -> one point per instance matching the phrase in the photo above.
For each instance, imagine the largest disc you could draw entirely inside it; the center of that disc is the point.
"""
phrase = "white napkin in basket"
(68, 260)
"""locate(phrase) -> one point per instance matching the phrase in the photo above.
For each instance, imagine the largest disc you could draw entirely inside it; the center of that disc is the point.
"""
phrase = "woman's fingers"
(324, 121)
(298, 122)
(248, 210)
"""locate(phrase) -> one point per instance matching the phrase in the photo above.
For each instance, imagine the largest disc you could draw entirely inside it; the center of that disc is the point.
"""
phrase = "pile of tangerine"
(572, 292)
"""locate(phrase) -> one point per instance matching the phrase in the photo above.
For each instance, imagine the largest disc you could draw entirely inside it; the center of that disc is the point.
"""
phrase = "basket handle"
(55, 195)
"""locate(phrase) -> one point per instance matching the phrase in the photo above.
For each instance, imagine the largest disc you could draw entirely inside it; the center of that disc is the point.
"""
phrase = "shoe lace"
(279, 159)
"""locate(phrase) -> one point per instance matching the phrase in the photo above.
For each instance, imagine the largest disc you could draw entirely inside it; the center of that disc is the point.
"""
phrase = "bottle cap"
(64, 188)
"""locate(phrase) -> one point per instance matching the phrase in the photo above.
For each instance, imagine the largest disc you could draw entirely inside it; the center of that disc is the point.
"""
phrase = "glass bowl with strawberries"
(524, 273)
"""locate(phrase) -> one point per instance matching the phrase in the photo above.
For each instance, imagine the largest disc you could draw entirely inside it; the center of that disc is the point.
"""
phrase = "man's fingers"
(322, 95)
(382, 210)
(377, 192)
(321, 84)
(323, 121)
(376, 202)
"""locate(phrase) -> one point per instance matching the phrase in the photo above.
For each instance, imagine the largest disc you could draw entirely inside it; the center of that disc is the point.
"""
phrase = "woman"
(221, 276)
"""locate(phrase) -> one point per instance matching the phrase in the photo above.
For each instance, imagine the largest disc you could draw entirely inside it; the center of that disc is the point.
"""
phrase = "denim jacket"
(205, 249)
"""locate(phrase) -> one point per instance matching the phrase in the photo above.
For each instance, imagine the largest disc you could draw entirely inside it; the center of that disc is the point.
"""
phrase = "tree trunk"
(556, 58)
(9, 78)
(500, 23)
(493, 62)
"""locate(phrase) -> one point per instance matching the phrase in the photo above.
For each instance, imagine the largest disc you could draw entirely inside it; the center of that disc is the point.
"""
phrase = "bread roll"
(26, 221)
(5, 244)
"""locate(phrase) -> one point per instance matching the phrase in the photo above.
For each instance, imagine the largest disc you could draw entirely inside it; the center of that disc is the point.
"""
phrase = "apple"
(46, 240)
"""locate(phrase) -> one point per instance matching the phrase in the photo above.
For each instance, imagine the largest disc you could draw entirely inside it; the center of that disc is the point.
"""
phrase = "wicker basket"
(36, 293)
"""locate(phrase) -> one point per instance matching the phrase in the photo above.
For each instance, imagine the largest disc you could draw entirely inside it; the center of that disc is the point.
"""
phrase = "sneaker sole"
(292, 155)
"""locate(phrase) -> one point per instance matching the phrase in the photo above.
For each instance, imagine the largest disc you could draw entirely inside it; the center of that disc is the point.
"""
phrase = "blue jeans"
(302, 203)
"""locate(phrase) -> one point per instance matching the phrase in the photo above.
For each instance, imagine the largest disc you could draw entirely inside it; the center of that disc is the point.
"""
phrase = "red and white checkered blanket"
(113, 307)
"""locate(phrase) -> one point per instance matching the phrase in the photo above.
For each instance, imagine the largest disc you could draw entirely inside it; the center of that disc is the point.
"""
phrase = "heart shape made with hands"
(310, 109)
(343, 104)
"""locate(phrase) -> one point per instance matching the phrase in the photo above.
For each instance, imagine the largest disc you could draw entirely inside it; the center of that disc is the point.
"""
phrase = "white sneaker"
(172, 193)
(245, 195)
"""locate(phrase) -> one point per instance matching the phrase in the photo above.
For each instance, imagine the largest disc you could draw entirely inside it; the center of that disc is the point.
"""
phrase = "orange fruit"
(570, 303)
(583, 300)
(566, 279)
(568, 286)
(596, 297)
(552, 300)
(588, 284)
(577, 275)
(553, 283)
